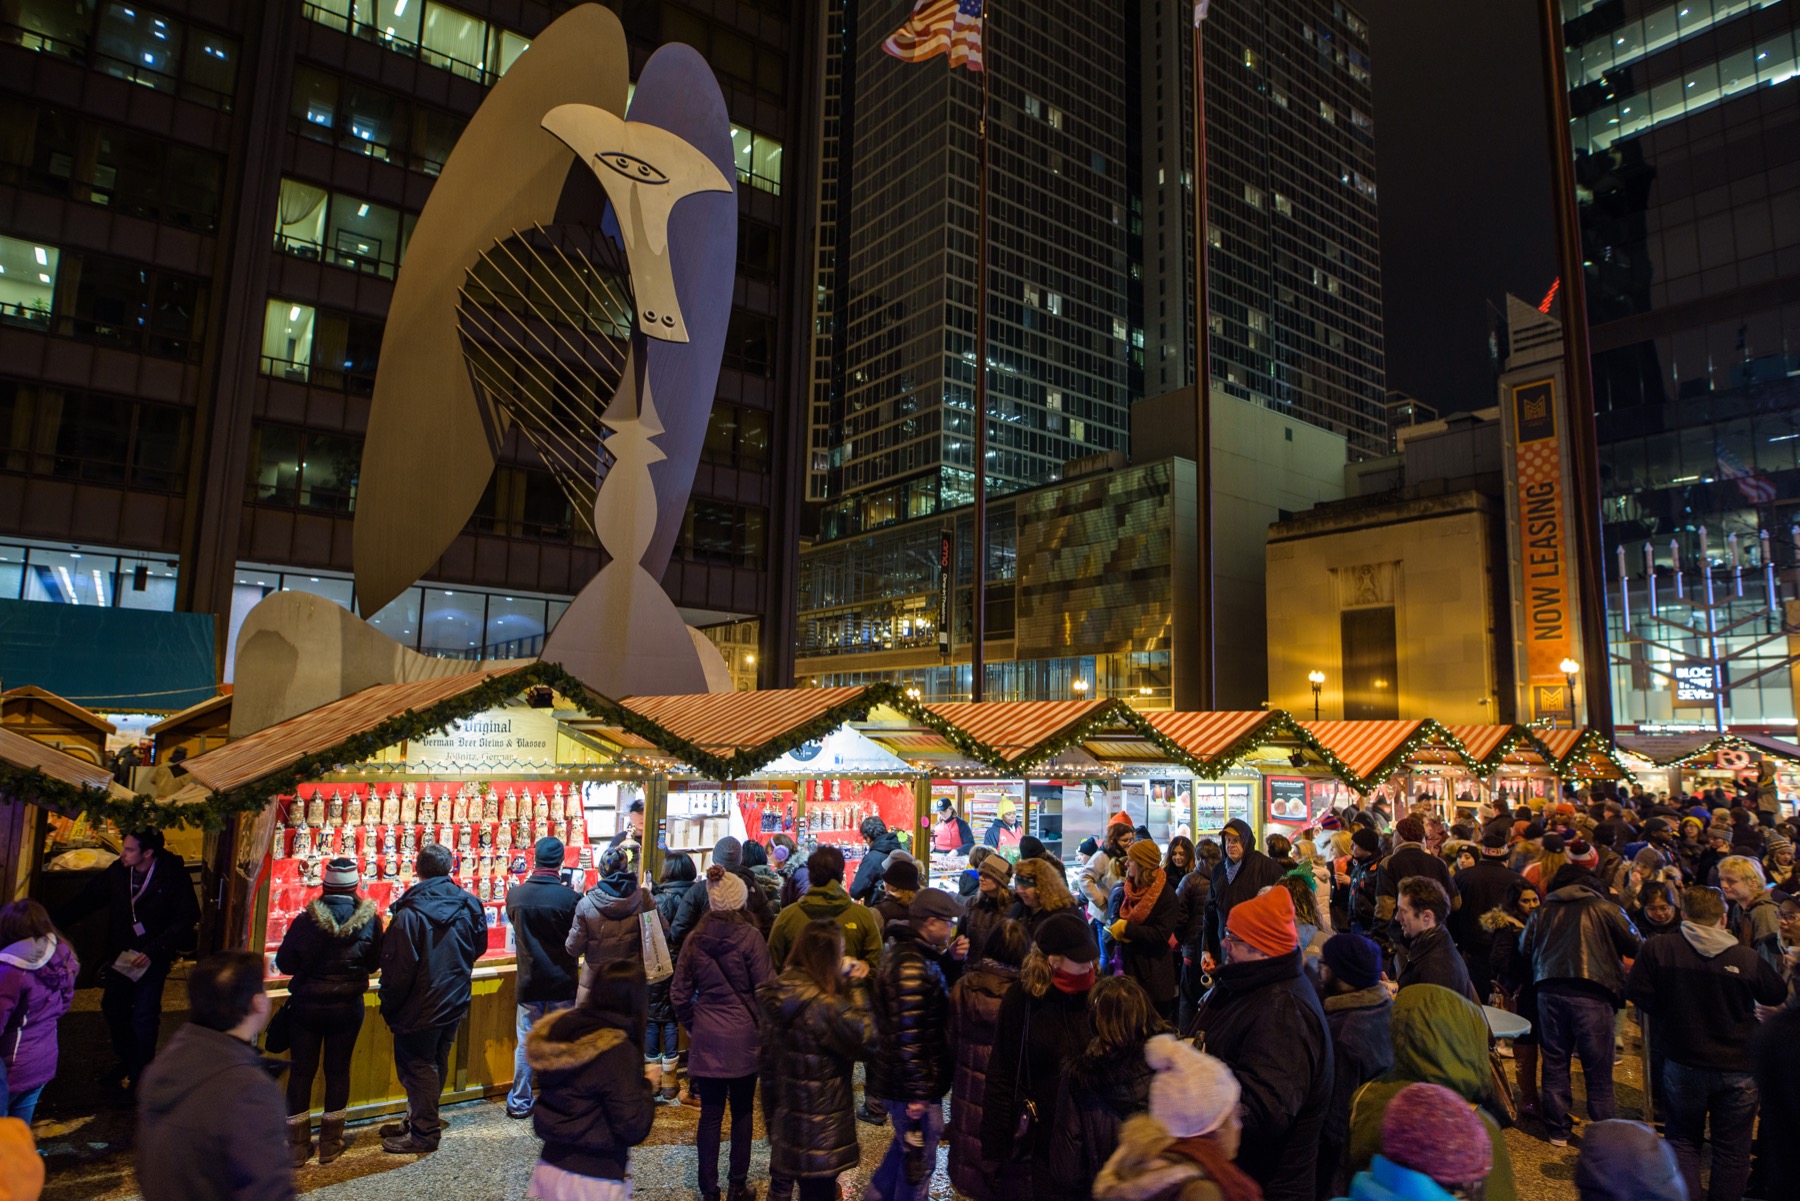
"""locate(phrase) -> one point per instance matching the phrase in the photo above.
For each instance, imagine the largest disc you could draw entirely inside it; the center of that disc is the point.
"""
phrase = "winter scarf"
(1140, 904)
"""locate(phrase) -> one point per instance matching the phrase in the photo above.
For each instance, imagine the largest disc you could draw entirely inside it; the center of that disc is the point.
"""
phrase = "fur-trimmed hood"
(1139, 1171)
(547, 1052)
(1497, 919)
(1363, 998)
(321, 914)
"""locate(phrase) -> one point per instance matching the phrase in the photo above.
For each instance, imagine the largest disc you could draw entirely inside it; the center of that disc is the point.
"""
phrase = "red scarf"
(1138, 905)
(1073, 982)
(1230, 1179)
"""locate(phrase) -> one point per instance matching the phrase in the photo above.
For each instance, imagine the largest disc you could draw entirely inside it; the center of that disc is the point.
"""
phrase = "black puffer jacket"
(974, 1025)
(912, 1011)
(809, 1108)
(667, 897)
(605, 929)
(1037, 1036)
(1579, 937)
(1097, 1094)
(331, 948)
(594, 1102)
(436, 933)
(873, 866)
(982, 917)
(1190, 913)
(1264, 1020)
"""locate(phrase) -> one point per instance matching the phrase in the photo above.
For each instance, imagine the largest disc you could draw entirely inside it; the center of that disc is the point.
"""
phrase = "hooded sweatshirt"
(37, 985)
(1439, 1038)
(212, 1123)
(1701, 988)
(1234, 882)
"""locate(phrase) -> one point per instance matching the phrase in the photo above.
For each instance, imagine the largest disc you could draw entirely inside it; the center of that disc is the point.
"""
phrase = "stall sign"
(1288, 800)
(511, 732)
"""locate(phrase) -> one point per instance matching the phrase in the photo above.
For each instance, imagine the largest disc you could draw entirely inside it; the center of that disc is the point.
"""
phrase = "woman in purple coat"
(722, 963)
(37, 985)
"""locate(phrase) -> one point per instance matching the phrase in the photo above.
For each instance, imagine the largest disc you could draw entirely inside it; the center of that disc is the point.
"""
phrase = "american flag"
(938, 27)
(1757, 488)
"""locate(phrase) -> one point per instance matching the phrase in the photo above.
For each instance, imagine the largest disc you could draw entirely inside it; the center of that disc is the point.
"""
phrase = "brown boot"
(331, 1136)
(1525, 1059)
(299, 1127)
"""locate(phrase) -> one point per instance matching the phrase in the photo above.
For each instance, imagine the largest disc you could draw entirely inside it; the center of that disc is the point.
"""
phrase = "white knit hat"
(724, 890)
(1192, 1093)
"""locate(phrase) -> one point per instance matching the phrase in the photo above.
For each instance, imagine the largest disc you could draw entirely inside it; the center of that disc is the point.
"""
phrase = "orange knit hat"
(1266, 922)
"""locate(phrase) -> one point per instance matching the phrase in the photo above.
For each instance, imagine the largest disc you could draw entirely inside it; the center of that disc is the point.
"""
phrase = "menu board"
(1287, 803)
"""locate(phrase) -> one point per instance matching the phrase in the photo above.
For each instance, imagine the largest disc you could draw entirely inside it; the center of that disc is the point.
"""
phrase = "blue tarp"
(110, 660)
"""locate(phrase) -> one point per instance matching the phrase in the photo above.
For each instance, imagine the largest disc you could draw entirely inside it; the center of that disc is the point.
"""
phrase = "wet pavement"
(485, 1155)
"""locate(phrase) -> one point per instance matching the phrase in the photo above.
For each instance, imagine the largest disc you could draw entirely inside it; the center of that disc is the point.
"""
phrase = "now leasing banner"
(1542, 544)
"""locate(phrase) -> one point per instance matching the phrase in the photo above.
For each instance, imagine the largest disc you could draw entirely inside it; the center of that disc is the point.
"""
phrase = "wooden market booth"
(1689, 761)
(195, 730)
(485, 762)
(56, 722)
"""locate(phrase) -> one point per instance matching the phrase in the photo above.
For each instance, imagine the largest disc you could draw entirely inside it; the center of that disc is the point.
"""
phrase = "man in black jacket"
(1701, 990)
(1429, 956)
(1263, 1019)
(540, 911)
(882, 843)
(728, 853)
(1241, 874)
(150, 919)
(437, 932)
(1576, 942)
(1482, 887)
(912, 1067)
(1408, 858)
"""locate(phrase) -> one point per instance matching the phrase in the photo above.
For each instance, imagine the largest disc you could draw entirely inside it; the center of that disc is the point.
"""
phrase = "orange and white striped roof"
(1363, 746)
(1561, 742)
(727, 722)
(1206, 736)
(1481, 741)
(251, 758)
(1015, 729)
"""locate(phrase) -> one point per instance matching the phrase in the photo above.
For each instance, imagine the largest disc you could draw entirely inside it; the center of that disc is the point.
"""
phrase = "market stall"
(1692, 761)
(194, 731)
(484, 763)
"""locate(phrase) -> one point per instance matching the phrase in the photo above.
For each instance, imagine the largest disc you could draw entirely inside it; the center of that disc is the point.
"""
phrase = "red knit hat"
(1266, 922)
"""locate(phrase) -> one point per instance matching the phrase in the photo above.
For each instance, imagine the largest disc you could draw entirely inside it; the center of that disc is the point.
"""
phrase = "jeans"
(889, 1180)
(662, 1040)
(714, 1092)
(323, 1033)
(23, 1105)
(1690, 1095)
(518, 1098)
(422, 1061)
(133, 1013)
(1571, 1024)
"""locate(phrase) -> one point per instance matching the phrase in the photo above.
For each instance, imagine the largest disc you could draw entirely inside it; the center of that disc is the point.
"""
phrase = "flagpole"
(1207, 691)
(978, 543)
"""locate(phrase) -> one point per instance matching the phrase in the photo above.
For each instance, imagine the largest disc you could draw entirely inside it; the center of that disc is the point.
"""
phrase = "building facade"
(1294, 262)
(1686, 140)
(202, 211)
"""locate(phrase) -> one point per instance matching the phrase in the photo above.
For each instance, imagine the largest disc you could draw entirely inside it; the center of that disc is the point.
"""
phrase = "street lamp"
(1570, 670)
(1317, 678)
(1080, 686)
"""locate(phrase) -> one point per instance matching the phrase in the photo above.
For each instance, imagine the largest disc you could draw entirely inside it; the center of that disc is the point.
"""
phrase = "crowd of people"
(1297, 1021)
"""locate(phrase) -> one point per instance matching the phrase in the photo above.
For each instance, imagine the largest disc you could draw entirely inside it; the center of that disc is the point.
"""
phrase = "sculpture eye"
(633, 168)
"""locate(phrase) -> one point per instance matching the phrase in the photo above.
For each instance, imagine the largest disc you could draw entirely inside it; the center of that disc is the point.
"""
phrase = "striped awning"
(1561, 742)
(275, 748)
(1019, 733)
(1582, 753)
(1206, 739)
(729, 735)
(30, 755)
(1484, 742)
(1664, 750)
(1364, 748)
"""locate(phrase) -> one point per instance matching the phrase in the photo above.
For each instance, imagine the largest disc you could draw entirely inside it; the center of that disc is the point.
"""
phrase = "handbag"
(1028, 1111)
(278, 1035)
(657, 964)
(1506, 1102)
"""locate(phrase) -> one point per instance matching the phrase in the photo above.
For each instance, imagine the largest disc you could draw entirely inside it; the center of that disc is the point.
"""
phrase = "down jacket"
(428, 955)
(974, 1025)
(912, 1012)
(605, 929)
(330, 949)
(1144, 950)
(722, 964)
(668, 897)
(809, 1106)
(37, 986)
(594, 1102)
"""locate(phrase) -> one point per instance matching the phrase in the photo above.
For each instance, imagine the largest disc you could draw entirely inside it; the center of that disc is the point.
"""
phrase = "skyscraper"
(200, 222)
(1686, 139)
(1294, 259)
(1059, 341)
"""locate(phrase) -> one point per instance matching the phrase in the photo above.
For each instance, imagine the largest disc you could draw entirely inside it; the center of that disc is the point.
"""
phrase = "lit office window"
(287, 340)
(27, 281)
(758, 158)
(507, 48)
(141, 46)
(300, 219)
(454, 40)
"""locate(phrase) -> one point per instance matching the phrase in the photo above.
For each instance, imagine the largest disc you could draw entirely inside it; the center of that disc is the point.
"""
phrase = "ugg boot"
(331, 1135)
(1525, 1058)
(671, 1088)
(299, 1127)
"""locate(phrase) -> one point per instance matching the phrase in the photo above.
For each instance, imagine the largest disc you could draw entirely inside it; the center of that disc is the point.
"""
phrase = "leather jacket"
(1577, 934)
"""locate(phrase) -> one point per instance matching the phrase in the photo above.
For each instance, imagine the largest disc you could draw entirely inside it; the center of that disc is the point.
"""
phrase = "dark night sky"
(1464, 178)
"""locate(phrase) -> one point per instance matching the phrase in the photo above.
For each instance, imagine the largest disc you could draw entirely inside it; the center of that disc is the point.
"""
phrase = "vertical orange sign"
(1544, 547)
